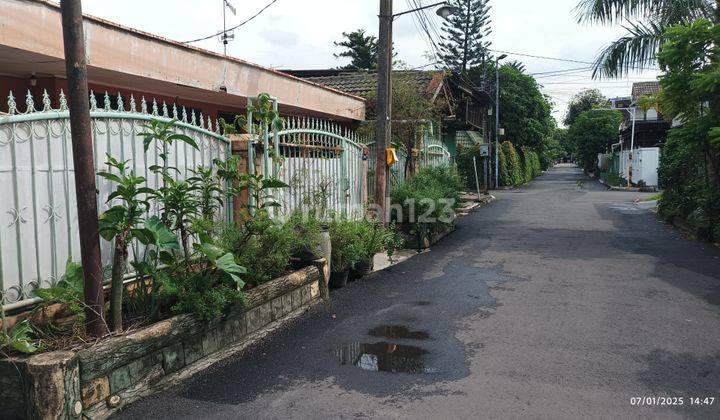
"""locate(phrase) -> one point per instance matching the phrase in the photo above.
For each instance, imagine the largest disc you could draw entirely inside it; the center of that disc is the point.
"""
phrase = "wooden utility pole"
(384, 105)
(82, 148)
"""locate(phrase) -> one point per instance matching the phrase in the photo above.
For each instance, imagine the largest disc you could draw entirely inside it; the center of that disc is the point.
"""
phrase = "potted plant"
(371, 237)
(346, 250)
(374, 238)
(311, 239)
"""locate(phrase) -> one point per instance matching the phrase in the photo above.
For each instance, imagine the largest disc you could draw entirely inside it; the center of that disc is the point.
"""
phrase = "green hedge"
(514, 164)
(466, 169)
(514, 169)
(531, 164)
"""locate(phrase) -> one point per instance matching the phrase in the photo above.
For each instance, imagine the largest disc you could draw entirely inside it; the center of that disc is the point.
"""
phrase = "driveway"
(560, 300)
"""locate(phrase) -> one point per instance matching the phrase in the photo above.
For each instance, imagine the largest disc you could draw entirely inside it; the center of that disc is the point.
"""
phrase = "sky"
(299, 34)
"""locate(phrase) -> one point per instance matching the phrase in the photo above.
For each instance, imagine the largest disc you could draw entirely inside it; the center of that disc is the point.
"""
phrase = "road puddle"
(384, 357)
(395, 332)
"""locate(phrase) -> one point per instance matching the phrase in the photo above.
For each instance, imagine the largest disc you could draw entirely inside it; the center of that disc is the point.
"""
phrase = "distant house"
(638, 166)
(465, 119)
(650, 127)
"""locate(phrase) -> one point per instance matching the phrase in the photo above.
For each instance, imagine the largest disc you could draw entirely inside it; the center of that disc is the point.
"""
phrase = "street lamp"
(497, 120)
(445, 12)
(384, 89)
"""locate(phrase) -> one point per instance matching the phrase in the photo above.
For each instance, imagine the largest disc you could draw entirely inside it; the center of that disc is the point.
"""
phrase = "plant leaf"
(162, 236)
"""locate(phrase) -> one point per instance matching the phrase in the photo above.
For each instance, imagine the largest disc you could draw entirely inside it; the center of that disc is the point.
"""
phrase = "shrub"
(307, 229)
(207, 287)
(347, 247)
(531, 164)
(466, 169)
(428, 200)
(262, 246)
(514, 164)
(504, 173)
(374, 238)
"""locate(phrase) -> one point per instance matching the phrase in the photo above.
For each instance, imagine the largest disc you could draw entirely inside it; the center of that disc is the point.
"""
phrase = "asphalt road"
(557, 301)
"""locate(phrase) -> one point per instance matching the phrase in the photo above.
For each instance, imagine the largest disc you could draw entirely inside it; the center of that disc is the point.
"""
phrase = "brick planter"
(101, 379)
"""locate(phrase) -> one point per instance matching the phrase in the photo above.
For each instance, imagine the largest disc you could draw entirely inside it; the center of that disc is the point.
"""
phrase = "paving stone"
(173, 358)
(95, 391)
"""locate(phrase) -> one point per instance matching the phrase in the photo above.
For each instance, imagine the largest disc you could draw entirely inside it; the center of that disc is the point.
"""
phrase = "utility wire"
(551, 72)
(234, 27)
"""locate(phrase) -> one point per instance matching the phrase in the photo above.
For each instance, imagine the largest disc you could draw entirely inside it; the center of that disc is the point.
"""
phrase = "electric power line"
(234, 27)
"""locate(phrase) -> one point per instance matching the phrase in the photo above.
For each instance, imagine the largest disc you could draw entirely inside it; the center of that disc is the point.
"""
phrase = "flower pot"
(305, 256)
(338, 279)
(361, 269)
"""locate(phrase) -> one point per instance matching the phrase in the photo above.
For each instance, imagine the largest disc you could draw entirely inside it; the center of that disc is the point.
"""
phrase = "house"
(126, 61)
(650, 127)
(465, 106)
(635, 159)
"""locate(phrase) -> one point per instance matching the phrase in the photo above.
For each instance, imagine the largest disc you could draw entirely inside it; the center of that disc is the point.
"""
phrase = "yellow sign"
(391, 156)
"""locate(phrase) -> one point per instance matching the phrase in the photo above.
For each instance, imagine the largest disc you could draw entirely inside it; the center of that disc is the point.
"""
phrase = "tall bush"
(466, 168)
(431, 196)
(690, 162)
(514, 164)
(503, 170)
(531, 164)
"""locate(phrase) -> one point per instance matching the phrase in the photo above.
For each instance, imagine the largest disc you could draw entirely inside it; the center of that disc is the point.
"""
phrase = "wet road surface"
(557, 301)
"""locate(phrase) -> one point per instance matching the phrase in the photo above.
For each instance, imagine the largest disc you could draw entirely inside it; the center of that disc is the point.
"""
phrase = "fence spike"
(143, 106)
(175, 111)
(47, 106)
(30, 102)
(154, 107)
(165, 110)
(12, 106)
(192, 117)
(120, 103)
(184, 115)
(93, 101)
(132, 103)
(106, 102)
(63, 101)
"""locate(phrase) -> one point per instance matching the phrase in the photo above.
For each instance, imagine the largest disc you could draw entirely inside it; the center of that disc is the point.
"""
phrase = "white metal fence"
(433, 153)
(324, 165)
(38, 217)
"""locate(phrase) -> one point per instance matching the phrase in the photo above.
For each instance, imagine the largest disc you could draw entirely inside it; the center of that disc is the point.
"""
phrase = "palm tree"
(646, 22)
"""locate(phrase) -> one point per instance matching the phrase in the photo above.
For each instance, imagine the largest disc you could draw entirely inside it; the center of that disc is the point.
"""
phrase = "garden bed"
(101, 379)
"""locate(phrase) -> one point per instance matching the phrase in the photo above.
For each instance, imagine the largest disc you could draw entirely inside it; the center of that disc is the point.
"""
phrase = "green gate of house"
(322, 162)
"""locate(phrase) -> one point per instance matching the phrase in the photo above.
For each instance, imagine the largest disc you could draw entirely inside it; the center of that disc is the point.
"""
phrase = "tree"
(646, 22)
(464, 42)
(581, 102)
(525, 113)
(557, 147)
(690, 94)
(410, 105)
(361, 49)
(592, 133)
